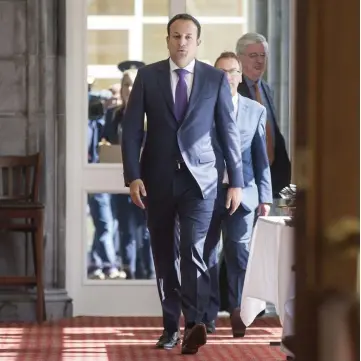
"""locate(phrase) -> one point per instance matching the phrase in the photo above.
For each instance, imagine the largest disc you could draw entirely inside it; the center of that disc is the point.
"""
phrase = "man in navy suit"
(184, 100)
(256, 197)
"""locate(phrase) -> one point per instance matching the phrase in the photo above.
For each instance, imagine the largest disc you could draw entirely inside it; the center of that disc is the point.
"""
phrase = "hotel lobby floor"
(130, 339)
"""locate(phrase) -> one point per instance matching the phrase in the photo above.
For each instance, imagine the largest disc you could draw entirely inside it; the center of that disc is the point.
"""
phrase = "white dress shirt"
(188, 77)
(235, 103)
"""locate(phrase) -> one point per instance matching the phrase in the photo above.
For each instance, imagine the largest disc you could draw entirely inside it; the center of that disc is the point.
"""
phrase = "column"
(284, 120)
(258, 19)
(292, 67)
(274, 58)
(261, 16)
(39, 38)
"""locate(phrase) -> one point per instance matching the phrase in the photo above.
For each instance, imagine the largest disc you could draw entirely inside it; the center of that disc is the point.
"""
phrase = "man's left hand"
(234, 198)
(263, 210)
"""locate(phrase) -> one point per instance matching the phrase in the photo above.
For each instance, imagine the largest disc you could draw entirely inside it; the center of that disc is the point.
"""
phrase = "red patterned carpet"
(130, 339)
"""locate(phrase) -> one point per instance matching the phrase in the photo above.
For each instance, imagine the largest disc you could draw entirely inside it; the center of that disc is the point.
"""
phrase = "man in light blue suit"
(256, 197)
(184, 100)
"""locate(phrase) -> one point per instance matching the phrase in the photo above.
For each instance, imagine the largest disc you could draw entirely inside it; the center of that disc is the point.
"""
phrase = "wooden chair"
(19, 201)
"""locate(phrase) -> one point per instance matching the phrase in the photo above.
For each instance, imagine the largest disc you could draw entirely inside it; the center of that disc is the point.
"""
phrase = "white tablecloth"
(269, 275)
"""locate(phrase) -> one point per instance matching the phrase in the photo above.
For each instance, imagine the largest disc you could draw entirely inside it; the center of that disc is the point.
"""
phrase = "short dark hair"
(185, 17)
(228, 55)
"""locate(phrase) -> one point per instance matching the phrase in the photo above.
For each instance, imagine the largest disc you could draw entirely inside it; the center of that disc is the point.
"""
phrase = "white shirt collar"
(189, 67)
(235, 102)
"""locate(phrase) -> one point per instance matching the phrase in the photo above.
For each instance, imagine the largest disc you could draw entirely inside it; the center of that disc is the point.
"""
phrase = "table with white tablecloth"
(269, 276)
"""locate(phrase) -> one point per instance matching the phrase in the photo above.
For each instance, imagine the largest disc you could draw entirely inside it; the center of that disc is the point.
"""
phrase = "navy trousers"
(182, 275)
(237, 232)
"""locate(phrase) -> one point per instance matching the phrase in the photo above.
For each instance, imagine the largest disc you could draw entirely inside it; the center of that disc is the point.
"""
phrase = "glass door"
(108, 258)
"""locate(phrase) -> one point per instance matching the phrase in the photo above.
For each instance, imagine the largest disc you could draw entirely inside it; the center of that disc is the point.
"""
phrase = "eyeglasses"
(232, 72)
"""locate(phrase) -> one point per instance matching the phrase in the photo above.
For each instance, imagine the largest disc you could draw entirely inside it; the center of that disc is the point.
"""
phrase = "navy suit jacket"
(281, 166)
(210, 104)
(251, 122)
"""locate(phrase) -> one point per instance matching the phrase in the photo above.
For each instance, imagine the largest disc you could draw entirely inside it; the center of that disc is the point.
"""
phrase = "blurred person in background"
(90, 81)
(116, 98)
(134, 239)
(102, 255)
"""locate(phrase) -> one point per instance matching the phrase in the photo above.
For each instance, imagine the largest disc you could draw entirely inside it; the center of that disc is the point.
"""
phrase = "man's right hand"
(137, 190)
(233, 200)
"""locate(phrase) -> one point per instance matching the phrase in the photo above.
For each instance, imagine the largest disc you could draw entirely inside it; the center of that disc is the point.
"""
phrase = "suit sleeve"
(229, 135)
(133, 131)
(261, 166)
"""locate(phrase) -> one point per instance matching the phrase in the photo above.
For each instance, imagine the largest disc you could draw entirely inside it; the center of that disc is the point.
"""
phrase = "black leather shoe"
(238, 327)
(168, 340)
(193, 339)
(211, 327)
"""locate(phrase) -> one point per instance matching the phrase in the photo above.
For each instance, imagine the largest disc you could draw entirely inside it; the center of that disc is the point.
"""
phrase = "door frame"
(327, 175)
(102, 298)
(91, 297)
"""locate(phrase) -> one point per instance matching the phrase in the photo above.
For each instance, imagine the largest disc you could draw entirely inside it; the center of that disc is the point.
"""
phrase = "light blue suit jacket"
(251, 122)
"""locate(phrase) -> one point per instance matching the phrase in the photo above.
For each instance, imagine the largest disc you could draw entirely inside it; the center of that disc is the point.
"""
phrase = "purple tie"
(181, 97)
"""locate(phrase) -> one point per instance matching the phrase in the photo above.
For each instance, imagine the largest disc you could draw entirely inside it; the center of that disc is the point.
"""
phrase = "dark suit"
(237, 228)
(188, 192)
(281, 166)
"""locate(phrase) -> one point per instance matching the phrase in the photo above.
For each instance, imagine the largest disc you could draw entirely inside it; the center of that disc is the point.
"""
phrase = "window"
(216, 8)
(216, 39)
(110, 7)
(120, 30)
(124, 30)
(100, 83)
(154, 43)
(223, 23)
(107, 47)
(155, 7)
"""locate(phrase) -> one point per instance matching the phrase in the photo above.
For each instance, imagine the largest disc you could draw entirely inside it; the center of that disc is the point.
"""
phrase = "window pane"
(216, 39)
(110, 7)
(117, 240)
(107, 47)
(156, 7)
(215, 7)
(101, 84)
(154, 43)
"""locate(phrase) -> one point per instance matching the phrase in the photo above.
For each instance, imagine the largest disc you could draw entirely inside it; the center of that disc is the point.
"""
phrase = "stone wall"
(32, 118)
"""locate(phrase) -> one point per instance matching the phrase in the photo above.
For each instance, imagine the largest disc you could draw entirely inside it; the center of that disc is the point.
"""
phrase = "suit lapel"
(241, 112)
(165, 84)
(198, 82)
(267, 92)
(244, 90)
